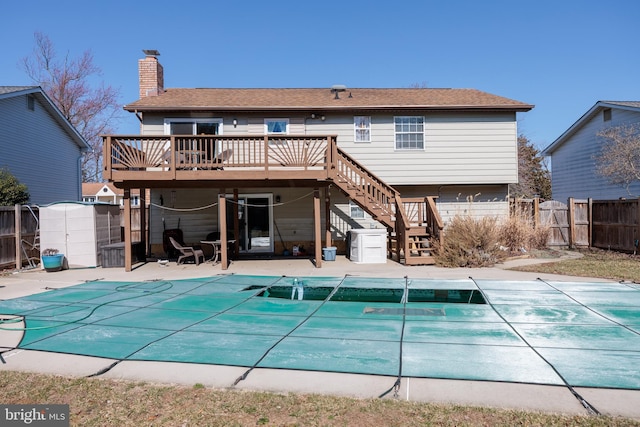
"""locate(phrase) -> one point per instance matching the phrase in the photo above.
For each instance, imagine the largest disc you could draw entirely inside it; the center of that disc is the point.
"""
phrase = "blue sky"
(560, 55)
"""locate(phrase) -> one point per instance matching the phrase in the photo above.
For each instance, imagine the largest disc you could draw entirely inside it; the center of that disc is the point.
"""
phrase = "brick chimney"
(151, 74)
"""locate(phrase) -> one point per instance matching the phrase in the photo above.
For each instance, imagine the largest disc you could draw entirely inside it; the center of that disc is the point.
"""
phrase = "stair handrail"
(433, 219)
(382, 194)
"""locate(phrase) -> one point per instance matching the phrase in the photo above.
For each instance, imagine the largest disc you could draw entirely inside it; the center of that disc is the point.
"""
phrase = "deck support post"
(143, 221)
(223, 230)
(317, 227)
(327, 217)
(236, 223)
(127, 230)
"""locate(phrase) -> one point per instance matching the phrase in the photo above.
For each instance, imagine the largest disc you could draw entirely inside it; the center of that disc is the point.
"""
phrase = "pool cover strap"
(396, 386)
(590, 408)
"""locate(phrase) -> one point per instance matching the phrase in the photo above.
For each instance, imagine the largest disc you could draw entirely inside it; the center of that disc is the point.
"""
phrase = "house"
(270, 169)
(106, 192)
(39, 146)
(572, 155)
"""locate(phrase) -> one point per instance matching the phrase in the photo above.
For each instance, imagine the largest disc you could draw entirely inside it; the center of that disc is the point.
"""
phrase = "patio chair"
(218, 160)
(187, 252)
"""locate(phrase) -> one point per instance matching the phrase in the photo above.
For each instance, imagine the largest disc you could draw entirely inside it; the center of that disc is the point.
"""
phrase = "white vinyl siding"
(474, 148)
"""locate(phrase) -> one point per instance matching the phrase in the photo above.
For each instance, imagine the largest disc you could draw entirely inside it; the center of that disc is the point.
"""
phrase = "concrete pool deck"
(559, 399)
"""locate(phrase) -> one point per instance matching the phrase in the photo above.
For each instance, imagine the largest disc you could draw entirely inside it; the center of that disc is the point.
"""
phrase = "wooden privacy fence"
(19, 235)
(616, 224)
(605, 224)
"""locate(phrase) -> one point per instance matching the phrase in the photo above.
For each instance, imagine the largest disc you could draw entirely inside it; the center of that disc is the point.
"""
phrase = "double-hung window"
(362, 126)
(276, 126)
(409, 132)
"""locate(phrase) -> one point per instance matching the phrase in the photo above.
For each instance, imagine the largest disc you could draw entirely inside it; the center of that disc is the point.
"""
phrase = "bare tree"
(533, 175)
(67, 81)
(619, 158)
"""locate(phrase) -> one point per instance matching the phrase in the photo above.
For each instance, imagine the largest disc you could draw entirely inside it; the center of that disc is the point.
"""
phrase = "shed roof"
(245, 99)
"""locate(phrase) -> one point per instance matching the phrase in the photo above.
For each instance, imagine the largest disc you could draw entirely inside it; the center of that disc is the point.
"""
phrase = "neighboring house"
(259, 163)
(39, 146)
(573, 167)
(106, 192)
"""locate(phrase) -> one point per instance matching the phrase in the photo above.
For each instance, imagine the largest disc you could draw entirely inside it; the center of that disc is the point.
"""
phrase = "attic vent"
(606, 114)
(336, 89)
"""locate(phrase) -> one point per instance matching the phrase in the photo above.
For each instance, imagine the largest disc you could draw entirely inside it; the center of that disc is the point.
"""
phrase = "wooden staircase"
(413, 224)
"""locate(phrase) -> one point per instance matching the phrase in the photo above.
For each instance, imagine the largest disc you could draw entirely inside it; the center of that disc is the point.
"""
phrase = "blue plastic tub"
(329, 253)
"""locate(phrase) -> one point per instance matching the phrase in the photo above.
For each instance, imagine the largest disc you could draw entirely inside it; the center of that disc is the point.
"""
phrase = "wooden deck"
(144, 161)
(206, 157)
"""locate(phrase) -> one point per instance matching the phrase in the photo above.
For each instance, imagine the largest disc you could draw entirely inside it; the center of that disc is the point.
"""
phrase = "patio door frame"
(244, 206)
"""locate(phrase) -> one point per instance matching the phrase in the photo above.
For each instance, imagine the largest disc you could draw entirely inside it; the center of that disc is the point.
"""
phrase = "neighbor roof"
(324, 99)
(596, 109)
(41, 96)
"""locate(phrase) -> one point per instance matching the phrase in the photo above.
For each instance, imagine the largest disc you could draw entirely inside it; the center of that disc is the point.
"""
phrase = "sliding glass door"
(254, 220)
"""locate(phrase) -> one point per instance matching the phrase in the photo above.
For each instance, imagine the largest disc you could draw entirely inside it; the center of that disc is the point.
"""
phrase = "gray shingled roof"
(12, 89)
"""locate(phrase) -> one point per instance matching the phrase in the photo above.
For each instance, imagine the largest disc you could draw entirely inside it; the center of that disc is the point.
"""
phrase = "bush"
(518, 235)
(12, 192)
(483, 242)
(470, 242)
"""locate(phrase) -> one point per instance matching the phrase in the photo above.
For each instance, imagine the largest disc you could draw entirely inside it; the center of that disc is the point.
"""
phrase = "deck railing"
(144, 157)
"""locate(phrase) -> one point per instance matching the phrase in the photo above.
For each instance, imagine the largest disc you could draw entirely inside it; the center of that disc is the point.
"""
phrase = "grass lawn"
(98, 402)
(594, 263)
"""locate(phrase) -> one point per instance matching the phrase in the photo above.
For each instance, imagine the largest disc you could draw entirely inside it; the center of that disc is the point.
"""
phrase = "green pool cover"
(559, 333)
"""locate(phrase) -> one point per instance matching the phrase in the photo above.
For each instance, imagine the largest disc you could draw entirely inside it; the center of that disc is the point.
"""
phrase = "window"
(362, 125)
(276, 126)
(606, 114)
(355, 211)
(31, 102)
(193, 126)
(88, 199)
(409, 131)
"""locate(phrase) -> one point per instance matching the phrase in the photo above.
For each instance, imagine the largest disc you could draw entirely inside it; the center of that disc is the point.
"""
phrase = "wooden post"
(236, 222)
(318, 228)
(223, 229)
(590, 219)
(127, 230)
(327, 216)
(536, 212)
(636, 240)
(571, 213)
(18, 234)
(143, 220)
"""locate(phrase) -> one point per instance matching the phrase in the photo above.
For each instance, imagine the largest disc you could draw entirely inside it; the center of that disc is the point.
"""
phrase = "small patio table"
(215, 244)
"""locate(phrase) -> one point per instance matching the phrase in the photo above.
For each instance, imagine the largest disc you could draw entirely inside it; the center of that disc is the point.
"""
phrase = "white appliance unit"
(368, 246)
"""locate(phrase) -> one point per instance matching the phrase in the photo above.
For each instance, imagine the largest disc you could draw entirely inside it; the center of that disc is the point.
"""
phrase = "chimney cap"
(151, 52)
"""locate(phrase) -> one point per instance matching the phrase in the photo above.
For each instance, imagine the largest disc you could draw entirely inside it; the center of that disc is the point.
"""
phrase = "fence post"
(636, 240)
(572, 221)
(536, 212)
(18, 234)
(590, 219)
